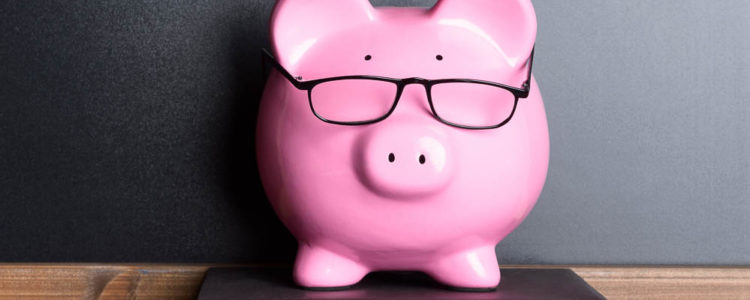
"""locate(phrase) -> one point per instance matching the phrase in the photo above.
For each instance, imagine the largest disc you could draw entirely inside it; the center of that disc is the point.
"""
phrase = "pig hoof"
(320, 269)
(474, 270)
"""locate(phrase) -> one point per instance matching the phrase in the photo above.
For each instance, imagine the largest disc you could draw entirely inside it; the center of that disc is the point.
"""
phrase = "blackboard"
(126, 133)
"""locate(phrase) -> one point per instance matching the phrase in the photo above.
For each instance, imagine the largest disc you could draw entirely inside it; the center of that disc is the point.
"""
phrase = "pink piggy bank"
(401, 138)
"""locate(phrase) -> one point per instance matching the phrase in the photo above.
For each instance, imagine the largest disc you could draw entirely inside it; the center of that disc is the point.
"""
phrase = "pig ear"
(510, 24)
(297, 24)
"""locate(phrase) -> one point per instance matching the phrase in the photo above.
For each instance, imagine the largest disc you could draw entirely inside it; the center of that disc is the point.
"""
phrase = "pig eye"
(391, 157)
(439, 57)
(422, 159)
(368, 57)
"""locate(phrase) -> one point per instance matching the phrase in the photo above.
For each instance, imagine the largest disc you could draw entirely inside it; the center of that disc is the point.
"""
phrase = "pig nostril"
(422, 159)
(391, 157)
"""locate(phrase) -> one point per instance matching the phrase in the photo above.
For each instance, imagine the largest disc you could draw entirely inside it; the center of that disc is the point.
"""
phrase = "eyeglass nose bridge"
(402, 83)
(414, 80)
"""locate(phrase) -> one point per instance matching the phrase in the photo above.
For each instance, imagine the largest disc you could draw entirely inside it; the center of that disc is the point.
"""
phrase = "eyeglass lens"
(353, 100)
(472, 104)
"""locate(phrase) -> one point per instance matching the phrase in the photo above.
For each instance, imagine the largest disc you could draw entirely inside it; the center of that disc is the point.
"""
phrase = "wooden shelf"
(668, 282)
(167, 281)
(100, 281)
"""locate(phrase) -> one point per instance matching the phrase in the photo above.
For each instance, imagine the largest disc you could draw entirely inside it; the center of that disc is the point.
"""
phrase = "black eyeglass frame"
(518, 93)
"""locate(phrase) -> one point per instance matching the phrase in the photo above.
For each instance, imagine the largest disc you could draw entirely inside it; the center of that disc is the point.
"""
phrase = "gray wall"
(126, 133)
(648, 105)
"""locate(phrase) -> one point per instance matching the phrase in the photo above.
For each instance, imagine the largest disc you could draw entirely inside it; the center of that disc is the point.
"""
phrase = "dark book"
(276, 283)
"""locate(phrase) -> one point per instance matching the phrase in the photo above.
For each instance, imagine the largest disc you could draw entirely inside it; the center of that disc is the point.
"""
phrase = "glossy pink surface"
(335, 187)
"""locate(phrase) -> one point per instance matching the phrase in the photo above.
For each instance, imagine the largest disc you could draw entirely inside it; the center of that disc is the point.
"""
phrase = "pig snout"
(402, 160)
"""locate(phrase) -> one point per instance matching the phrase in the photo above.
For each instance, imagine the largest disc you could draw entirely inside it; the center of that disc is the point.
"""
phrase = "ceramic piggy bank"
(401, 138)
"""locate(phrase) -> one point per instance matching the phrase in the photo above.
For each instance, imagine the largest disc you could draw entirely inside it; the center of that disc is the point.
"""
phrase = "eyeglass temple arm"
(267, 57)
(527, 83)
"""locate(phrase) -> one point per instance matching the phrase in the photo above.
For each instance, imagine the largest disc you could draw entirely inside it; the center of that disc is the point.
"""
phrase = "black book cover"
(276, 283)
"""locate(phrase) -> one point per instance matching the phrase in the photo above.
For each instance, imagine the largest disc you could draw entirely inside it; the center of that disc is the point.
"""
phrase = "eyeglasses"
(362, 99)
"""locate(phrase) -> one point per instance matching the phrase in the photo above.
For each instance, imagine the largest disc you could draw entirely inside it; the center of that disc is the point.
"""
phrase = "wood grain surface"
(152, 281)
(668, 282)
(105, 281)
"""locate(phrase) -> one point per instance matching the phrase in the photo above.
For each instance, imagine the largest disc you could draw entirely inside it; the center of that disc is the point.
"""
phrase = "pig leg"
(318, 268)
(474, 269)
